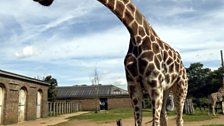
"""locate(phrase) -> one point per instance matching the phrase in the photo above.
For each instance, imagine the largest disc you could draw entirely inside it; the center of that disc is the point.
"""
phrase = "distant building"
(103, 96)
(21, 98)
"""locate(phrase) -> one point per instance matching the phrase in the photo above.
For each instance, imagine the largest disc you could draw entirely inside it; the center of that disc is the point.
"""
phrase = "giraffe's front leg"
(156, 95)
(136, 96)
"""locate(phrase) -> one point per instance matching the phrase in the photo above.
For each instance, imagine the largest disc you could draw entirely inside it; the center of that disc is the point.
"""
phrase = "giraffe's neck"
(131, 17)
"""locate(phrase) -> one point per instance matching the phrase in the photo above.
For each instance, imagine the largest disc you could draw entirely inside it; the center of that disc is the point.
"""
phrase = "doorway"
(103, 104)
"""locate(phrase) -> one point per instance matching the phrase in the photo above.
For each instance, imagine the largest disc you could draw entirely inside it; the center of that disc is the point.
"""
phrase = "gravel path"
(47, 121)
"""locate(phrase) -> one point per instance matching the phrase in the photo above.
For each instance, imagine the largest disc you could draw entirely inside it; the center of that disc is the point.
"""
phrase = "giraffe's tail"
(149, 122)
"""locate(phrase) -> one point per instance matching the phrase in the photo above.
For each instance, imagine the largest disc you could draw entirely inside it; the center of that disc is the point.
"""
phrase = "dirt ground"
(130, 122)
(126, 122)
(47, 121)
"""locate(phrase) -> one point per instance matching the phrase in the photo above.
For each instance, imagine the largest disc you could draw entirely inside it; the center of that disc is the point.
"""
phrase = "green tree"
(203, 81)
(215, 80)
(198, 78)
(52, 91)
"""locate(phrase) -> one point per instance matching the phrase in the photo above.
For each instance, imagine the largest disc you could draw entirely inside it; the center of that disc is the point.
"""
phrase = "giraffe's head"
(45, 2)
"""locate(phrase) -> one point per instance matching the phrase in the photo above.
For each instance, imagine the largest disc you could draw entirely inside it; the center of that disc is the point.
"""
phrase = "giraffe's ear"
(45, 2)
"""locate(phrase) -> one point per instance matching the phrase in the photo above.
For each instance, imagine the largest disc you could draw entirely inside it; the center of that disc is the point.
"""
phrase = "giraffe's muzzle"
(44, 2)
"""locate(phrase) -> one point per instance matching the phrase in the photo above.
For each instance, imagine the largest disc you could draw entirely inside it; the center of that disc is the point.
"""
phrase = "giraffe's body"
(150, 64)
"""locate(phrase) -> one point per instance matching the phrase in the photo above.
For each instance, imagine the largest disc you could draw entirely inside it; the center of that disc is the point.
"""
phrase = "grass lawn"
(109, 115)
(115, 114)
(214, 125)
(198, 116)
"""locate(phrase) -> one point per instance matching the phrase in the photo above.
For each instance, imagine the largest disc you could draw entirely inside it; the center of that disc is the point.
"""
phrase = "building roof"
(84, 91)
(21, 77)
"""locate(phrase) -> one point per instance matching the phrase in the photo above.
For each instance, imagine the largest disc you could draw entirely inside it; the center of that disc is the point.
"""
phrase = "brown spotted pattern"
(151, 65)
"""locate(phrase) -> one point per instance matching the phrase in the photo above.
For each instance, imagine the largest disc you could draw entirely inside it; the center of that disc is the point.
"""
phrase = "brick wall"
(113, 103)
(89, 104)
(12, 87)
(119, 103)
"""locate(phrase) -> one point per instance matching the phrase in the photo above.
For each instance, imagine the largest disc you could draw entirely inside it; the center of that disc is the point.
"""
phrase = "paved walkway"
(47, 121)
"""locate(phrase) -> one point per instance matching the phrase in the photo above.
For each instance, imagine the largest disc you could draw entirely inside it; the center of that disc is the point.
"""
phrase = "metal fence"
(59, 108)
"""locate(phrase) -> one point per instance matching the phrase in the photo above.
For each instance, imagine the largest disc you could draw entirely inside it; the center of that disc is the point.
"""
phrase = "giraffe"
(214, 98)
(151, 65)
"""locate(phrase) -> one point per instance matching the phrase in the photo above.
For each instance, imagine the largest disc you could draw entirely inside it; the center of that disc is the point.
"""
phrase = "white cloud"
(177, 11)
(198, 41)
(26, 52)
(113, 42)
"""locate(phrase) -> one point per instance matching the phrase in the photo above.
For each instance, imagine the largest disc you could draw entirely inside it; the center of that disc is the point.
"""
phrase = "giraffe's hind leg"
(179, 91)
(163, 116)
(136, 96)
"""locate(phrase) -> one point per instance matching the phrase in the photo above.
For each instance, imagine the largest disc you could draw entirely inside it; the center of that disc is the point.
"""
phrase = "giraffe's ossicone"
(151, 65)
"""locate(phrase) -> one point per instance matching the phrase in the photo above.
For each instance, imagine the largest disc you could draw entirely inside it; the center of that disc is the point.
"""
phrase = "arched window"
(22, 104)
(39, 103)
(2, 102)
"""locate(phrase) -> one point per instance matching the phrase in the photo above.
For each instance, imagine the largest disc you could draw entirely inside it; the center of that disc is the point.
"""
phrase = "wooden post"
(54, 110)
(51, 106)
(66, 107)
(69, 107)
(119, 122)
(222, 58)
(69, 110)
(49, 109)
(222, 78)
(62, 108)
(72, 107)
(78, 107)
(58, 107)
(222, 63)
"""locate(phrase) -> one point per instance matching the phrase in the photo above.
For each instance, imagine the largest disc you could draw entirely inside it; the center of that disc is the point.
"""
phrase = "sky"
(72, 38)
